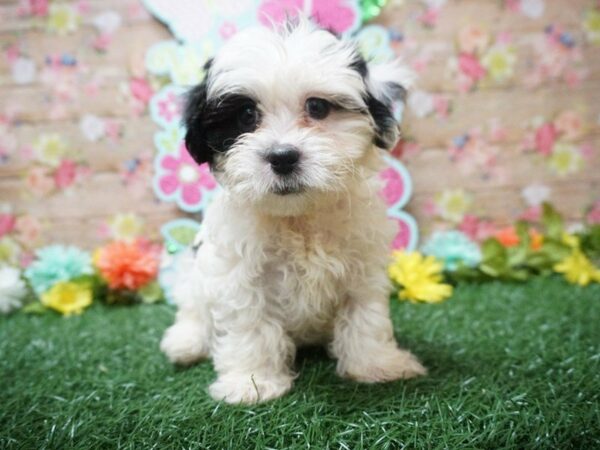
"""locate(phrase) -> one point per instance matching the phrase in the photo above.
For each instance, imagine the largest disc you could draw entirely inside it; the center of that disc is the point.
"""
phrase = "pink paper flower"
(112, 129)
(276, 11)
(7, 223)
(593, 217)
(169, 107)
(101, 42)
(532, 214)
(569, 124)
(183, 179)
(471, 67)
(430, 17)
(141, 89)
(333, 15)
(545, 136)
(227, 30)
(39, 181)
(473, 39)
(28, 229)
(65, 174)
(33, 8)
(477, 229)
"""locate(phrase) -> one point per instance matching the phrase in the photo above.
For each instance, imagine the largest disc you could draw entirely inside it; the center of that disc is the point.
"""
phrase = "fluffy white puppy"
(294, 248)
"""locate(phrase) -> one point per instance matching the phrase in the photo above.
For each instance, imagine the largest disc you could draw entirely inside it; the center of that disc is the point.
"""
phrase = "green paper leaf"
(371, 8)
(517, 255)
(553, 221)
(495, 259)
(151, 293)
(35, 308)
(179, 234)
(122, 297)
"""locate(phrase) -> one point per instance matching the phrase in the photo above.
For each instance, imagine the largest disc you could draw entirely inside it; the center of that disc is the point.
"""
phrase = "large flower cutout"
(178, 178)
(396, 191)
(339, 16)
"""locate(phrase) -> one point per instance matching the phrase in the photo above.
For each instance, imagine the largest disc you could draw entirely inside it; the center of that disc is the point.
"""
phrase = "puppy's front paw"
(387, 365)
(184, 343)
(248, 388)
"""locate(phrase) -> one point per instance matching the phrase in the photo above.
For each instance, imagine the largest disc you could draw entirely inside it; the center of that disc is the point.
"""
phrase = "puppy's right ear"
(193, 119)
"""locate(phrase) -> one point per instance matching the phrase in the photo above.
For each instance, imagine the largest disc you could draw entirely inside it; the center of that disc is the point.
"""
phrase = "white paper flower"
(92, 127)
(533, 8)
(23, 70)
(421, 103)
(535, 194)
(12, 289)
(107, 22)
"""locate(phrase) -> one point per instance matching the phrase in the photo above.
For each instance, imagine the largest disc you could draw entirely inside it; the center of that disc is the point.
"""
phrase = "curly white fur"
(276, 271)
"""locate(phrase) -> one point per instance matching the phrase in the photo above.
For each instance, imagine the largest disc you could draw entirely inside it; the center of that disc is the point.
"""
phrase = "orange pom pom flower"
(127, 265)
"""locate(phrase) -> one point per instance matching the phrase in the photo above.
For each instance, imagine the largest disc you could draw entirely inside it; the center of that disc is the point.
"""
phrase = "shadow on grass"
(318, 381)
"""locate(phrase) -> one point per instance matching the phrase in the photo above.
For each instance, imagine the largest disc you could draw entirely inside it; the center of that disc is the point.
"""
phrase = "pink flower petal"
(403, 237)
(190, 194)
(168, 184)
(170, 163)
(394, 186)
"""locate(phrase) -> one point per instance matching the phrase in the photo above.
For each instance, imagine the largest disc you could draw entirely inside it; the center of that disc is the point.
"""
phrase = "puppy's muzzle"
(284, 159)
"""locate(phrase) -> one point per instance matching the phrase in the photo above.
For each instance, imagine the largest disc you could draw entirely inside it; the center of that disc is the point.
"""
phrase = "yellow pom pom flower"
(578, 269)
(419, 277)
(68, 297)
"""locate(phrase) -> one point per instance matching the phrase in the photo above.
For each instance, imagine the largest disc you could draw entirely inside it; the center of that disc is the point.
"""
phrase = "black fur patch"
(360, 65)
(213, 126)
(380, 111)
(383, 118)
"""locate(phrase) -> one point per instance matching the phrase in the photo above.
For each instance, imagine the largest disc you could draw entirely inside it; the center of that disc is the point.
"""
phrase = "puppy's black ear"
(193, 119)
(387, 85)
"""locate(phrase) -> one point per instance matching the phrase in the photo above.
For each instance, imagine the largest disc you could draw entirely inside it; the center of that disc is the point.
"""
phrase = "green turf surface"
(511, 366)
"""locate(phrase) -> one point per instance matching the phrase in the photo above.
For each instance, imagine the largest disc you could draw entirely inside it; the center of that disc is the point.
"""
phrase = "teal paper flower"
(57, 263)
(454, 248)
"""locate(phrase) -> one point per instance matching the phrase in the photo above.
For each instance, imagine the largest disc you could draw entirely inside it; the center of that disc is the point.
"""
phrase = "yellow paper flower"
(50, 148)
(500, 62)
(452, 204)
(578, 269)
(9, 251)
(571, 240)
(68, 297)
(565, 159)
(591, 25)
(62, 18)
(126, 226)
(420, 277)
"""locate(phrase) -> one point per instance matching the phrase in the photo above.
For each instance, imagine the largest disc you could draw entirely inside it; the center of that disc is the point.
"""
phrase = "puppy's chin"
(286, 203)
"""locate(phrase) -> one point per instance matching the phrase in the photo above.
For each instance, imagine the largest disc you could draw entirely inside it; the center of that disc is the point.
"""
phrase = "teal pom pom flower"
(453, 248)
(57, 263)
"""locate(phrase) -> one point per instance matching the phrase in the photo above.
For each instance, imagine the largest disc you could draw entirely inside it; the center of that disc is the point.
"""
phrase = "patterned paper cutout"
(178, 178)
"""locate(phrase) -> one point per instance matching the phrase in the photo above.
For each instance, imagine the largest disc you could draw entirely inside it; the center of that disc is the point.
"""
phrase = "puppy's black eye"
(317, 108)
(248, 117)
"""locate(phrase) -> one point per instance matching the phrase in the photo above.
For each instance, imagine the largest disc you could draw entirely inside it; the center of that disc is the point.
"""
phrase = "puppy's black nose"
(283, 159)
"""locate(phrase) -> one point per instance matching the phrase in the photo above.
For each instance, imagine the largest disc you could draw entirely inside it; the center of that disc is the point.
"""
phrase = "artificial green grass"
(511, 366)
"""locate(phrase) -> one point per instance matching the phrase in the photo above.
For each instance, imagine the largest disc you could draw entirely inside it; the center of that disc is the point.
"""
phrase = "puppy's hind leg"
(188, 339)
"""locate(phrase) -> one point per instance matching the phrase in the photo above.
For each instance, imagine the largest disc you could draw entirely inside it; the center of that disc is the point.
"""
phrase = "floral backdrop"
(506, 114)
